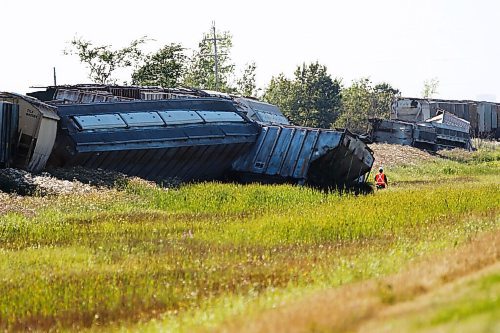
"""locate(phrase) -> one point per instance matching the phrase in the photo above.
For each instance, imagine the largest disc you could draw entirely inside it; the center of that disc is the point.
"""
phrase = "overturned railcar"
(189, 139)
(28, 131)
(482, 116)
(444, 130)
(313, 156)
(194, 135)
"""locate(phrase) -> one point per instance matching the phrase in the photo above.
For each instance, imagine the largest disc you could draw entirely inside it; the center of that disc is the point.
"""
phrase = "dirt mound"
(389, 155)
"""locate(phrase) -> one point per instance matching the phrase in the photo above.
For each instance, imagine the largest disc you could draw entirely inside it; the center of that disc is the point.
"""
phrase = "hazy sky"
(402, 42)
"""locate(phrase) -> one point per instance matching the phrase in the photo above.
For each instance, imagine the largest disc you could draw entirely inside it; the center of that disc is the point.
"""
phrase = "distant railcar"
(482, 116)
(444, 130)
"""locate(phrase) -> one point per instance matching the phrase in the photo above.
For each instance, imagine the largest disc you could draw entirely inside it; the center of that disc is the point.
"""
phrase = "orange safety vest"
(379, 179)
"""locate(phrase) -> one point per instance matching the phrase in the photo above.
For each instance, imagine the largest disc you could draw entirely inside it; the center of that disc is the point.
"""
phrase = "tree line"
(310, 98)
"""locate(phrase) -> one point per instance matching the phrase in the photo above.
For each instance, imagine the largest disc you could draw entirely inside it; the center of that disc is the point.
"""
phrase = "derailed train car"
(443, 131)
(192, 135)
(27, 131)
(188, 139)
(435, 124)
(482, 116)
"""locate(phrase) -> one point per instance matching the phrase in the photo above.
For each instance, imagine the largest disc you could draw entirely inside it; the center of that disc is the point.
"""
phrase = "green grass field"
(144, 258)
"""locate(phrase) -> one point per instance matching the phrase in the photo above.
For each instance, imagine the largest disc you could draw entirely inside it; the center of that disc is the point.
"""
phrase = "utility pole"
(216, 62)
(214, 39)
(55, 78)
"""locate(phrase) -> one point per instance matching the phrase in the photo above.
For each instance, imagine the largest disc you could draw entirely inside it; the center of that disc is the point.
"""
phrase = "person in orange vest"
(381, 179)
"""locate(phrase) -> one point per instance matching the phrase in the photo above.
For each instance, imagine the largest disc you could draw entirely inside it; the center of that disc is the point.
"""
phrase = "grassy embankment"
(149, 258)
(471, 304)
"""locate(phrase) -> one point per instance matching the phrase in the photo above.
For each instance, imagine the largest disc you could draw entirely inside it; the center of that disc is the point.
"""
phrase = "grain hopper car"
(436, 124)
(186, 134)
(483, 117)
(444, 131)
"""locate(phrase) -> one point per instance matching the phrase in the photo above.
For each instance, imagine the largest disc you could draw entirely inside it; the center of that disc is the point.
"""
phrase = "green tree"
(102, 60)
(362, 101)
(245, 85)
(383, 97)
(164, 68)
(430, 88)
(281, 91)
(312, 98)
(201, 71)
(356, 105)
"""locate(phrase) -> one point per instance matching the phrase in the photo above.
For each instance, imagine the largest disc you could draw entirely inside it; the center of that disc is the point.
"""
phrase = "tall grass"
(459, 166)
(148, 252)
